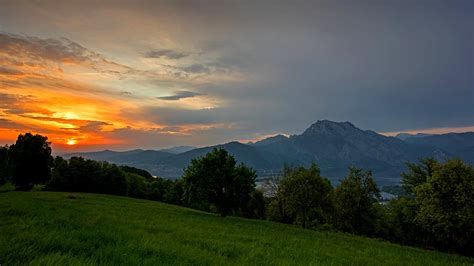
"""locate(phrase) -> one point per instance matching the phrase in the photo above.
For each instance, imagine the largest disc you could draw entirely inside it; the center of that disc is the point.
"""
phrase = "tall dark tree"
(4, 170)
(356, 200)
(215, 182)
(31, 159)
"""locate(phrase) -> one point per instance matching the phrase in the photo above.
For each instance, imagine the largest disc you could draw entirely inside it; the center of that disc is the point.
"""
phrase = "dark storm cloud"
(170, 54)
(384, 65)
(179, 95)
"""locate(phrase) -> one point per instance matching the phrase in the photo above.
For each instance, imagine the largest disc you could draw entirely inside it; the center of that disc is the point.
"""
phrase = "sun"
(70, 115)
(71, 142)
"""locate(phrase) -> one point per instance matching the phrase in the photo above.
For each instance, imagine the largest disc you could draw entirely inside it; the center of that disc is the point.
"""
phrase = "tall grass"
(47, 228)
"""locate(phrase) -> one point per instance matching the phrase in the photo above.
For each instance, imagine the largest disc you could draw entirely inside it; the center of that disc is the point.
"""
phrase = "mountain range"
(334, 146)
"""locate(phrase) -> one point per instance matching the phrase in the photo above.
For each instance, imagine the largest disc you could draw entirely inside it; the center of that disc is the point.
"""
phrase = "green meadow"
(50, 228)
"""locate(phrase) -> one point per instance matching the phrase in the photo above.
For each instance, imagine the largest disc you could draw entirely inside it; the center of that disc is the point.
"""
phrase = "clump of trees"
(30, 160)
(212, 183)
(216, 182)
(436, 209)
(302, 196)
(81, 175)
(439, 208)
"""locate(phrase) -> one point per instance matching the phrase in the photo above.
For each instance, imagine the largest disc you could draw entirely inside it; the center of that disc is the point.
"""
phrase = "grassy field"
(51, 228)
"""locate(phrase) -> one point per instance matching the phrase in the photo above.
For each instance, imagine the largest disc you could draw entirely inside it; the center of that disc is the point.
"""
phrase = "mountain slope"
(456, 144)
(450, 142)
(51, 228)
(334, 146)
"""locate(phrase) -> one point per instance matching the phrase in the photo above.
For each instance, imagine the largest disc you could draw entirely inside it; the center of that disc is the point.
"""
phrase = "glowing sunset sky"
(149, 74)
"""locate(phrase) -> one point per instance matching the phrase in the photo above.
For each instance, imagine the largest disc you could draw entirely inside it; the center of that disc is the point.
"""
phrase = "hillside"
(334, 146)
(55, 229)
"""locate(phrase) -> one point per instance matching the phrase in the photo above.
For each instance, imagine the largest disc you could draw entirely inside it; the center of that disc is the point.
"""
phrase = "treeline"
(29, 163)
(436, 210)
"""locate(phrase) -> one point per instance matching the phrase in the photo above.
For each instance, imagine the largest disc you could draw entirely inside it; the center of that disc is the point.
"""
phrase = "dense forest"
(436, 210)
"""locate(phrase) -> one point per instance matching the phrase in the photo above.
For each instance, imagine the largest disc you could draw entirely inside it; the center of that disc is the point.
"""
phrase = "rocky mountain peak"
(324, 127)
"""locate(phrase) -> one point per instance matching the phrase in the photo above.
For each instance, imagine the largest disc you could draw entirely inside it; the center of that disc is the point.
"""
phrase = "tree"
(3, 164)
(31, 161)
(356, 200)
(215, 182)
(113, 180)
(80, 175)
(255, 207)
(275, 204)
(401, 222)
(277, 209)
(418, 173)
(307, 195)
(137, 185)
(446, 206)
(134, 170)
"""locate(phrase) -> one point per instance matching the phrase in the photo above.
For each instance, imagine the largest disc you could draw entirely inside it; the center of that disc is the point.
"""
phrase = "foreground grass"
(51, 228)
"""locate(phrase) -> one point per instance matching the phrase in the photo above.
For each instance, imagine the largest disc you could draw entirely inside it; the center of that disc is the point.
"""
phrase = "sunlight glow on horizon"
(71, 142)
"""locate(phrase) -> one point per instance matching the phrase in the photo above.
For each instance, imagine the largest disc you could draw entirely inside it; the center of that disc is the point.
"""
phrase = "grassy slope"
(50, 228)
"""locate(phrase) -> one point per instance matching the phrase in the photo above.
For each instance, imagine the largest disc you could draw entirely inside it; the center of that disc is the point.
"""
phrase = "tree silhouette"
(214, 181)
(31, 161)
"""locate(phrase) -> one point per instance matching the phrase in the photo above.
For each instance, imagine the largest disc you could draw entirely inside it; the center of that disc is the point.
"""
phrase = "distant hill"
(179, 149)
(404, 136)
(456, 144)
(334, 146)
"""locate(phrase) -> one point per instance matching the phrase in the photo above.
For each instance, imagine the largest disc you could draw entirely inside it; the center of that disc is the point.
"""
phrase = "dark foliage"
(80, 175)
(418, 173)
(165, 190)
(356, 200)
(307, 196)
(4, 169)
(439, 211)
(446, 206)
(133, 170)
(30, 161)
(214, 182)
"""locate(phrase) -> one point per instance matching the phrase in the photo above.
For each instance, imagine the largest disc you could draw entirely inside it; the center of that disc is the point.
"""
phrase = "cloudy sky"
(150, 74)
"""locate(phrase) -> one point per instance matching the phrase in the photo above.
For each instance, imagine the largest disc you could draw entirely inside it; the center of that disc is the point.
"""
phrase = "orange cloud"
(441, 130)
(75, 96)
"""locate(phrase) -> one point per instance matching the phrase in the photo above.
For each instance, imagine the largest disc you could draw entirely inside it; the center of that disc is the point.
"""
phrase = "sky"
(151, 74)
